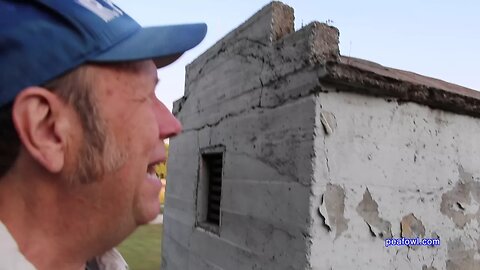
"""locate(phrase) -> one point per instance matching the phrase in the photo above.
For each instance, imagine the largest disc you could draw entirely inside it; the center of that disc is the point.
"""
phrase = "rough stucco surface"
(368, 210)
(267, 160)
(325, 157)
(418, 165)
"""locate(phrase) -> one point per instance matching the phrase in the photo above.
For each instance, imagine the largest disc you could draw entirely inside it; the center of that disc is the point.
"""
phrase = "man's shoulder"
(12, 258)
(111, 260)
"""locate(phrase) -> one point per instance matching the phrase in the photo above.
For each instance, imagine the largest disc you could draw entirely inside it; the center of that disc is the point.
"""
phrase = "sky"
(435, 38)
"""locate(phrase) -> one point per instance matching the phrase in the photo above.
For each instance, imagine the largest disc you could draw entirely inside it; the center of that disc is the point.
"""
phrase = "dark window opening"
(213, 165)
(209, 188)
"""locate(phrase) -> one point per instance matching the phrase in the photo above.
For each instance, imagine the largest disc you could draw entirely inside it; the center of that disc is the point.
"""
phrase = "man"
(81, 130)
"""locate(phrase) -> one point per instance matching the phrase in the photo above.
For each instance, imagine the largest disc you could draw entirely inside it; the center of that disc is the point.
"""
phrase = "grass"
(142, 249)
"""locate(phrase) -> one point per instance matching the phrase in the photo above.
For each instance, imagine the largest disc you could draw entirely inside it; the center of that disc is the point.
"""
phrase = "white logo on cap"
(106, 13)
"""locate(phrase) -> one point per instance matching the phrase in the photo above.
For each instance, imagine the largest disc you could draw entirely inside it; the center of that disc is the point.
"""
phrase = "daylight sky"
(436, 38)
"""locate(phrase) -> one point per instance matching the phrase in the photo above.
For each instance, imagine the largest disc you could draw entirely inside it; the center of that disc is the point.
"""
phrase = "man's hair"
(75, 89)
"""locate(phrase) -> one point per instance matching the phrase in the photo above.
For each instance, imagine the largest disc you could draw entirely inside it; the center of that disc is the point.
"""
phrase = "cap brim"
(163, 44)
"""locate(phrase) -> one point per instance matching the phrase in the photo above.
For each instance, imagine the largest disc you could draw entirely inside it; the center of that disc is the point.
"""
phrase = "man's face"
(135, 123)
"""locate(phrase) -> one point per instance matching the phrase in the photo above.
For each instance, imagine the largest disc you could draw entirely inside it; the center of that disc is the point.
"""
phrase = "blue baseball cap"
(43, 39)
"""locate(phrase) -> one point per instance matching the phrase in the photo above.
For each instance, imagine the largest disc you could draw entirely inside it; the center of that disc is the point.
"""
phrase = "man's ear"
(41, 120)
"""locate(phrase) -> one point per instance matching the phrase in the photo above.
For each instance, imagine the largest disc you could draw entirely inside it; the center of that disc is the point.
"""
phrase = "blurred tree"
(161, 169)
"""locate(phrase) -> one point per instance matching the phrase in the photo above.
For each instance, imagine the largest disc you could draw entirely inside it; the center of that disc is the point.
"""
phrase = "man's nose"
(168, 124)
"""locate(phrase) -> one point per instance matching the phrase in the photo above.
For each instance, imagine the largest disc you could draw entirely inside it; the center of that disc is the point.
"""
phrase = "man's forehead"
(127, 79)
(146, 66)
(145, 69)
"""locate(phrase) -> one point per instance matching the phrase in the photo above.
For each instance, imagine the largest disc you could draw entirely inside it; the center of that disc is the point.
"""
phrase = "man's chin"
(149, 215)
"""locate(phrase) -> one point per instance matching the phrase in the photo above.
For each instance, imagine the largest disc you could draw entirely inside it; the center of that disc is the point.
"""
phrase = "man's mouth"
(151, 174)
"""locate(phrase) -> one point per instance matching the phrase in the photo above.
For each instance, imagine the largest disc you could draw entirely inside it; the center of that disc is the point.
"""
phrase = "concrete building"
(296, 157)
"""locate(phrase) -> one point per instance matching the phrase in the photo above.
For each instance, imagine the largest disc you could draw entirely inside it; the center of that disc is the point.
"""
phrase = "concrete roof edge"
(365, 77)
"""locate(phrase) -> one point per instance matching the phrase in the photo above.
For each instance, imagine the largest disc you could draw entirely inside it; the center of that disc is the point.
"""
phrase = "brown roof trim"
(365, 77)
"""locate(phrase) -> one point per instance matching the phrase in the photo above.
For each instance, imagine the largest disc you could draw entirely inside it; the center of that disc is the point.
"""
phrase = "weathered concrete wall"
(265, 205)
(384, 162)
(325, 157)
(267, 163)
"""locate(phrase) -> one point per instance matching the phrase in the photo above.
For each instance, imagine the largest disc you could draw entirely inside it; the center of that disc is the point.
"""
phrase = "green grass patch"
(142, 250)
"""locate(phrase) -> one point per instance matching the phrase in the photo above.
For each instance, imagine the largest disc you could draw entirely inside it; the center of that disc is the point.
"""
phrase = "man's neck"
(49, 231)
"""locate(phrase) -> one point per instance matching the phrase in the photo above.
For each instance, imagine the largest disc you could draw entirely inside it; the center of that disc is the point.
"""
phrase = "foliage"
(161, 169)
(161, 195)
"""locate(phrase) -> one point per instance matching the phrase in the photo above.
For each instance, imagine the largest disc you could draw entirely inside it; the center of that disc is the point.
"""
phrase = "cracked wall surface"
(235, 97)
(325, 157)
(407, 171)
